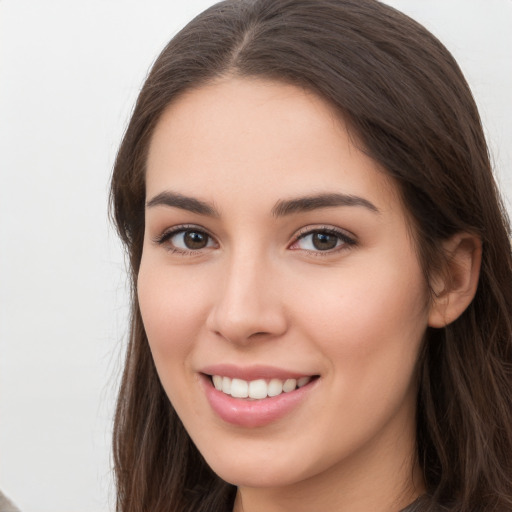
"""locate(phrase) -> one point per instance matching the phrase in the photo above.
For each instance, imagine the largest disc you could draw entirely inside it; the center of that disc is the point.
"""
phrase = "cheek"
(368, 322)
(172, 309)
(370, 332)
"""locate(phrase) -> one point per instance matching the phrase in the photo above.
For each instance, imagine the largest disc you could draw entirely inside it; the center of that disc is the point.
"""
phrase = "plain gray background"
(69, 75)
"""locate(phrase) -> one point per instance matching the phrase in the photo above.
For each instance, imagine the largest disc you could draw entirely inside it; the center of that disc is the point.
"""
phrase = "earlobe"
(456, 287)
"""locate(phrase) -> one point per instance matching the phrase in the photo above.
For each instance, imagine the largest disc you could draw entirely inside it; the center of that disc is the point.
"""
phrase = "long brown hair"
(405, 98)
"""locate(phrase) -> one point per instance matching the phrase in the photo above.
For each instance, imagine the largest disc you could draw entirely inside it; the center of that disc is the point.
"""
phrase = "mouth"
(262, 398)
(258, 389)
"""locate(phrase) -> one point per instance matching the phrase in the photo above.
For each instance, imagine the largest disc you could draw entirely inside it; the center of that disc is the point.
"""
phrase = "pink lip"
(253, 413)
(251, 372)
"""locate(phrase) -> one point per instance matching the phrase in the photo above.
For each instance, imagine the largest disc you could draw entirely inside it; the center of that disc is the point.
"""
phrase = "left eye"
(190, 240)
(321, 240)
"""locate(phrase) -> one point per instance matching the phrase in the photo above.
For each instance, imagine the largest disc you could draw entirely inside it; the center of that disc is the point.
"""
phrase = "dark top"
(415, 505)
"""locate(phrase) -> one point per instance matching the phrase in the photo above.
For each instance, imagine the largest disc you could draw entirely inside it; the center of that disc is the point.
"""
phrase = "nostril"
(259, 334)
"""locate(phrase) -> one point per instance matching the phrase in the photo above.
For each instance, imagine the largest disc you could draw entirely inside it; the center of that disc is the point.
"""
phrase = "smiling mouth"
(258, 389)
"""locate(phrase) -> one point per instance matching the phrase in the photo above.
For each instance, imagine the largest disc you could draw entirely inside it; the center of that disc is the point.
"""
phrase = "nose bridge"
(247, 303)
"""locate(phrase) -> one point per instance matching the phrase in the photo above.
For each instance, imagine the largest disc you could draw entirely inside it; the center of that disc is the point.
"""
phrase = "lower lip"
(253, 413)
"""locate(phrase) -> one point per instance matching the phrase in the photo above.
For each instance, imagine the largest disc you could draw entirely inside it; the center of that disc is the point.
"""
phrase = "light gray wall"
(69, 74)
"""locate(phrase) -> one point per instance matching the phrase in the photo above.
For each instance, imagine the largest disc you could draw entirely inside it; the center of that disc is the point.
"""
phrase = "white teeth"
(275, 387)
(217, 382)
(226, 385)
(257, 389)
(239, 388)
(303, 381)
(289, 385)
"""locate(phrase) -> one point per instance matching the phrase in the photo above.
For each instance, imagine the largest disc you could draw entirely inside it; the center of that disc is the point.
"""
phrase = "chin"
(256, 475)
(263, 464)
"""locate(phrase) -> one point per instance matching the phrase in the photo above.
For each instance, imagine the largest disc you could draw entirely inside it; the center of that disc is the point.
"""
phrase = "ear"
(455, 287)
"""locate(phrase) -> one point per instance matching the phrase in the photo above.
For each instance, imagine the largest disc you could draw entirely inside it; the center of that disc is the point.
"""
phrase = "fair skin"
(241, 277)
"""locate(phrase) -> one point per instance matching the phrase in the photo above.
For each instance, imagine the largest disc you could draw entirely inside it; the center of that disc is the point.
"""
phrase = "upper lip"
(253, 372)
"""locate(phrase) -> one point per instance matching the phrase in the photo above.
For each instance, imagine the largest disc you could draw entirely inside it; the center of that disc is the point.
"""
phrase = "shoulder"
(6, 505)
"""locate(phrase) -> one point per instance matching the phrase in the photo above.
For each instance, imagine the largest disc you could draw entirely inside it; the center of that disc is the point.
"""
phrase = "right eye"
(186, 240)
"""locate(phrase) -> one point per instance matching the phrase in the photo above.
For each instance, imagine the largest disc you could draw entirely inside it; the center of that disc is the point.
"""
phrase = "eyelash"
(170, 233)
(346, 240)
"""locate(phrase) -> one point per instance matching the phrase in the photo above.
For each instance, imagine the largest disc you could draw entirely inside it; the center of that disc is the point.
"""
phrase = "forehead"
(259, 139)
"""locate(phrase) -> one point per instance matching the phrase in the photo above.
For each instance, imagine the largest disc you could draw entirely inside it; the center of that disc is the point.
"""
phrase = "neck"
(350, 496)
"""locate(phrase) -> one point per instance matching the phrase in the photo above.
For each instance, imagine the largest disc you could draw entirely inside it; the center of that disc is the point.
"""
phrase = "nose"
(248, 305)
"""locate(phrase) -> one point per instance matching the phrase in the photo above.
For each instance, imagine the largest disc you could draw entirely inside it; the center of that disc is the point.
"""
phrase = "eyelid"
(168, 233)
(348, 239)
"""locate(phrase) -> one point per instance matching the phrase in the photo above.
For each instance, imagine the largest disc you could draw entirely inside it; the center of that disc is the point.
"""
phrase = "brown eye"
(195, 240)
(324, 241)
(183, 240)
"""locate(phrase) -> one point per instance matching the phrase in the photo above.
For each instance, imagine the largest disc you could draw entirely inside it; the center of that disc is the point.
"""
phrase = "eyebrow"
(314, 202)
(281, 208)
(190, 204)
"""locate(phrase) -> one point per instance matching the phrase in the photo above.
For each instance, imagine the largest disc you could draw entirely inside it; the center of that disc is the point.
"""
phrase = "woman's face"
(277, 255)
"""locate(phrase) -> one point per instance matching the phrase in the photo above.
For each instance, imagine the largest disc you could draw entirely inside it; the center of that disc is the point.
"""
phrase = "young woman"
(321, 272)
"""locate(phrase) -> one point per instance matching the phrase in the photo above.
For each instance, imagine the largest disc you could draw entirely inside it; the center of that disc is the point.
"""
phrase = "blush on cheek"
(168, 316)
(169, 334)
(368, 318)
